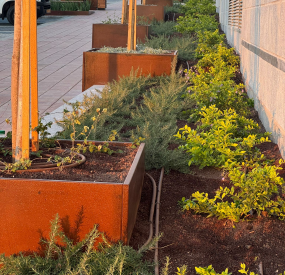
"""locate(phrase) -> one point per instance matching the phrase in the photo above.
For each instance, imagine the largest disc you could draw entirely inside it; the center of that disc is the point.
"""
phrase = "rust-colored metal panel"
(159, 2)
(115, 35)
(150, 12)
(102, 4)
(134, 193)
(100, 68)
(28, 205)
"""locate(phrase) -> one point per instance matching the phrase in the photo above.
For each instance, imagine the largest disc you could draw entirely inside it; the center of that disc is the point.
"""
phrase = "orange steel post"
(15, 72)
(26, 80)
(34, 75)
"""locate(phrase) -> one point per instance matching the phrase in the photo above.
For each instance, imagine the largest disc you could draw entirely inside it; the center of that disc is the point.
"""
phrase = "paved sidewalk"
(60, 47)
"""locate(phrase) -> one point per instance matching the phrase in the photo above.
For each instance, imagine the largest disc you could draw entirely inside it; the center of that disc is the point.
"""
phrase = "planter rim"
(125, 182)
(117, 24)
(171, 52)
(150, 5)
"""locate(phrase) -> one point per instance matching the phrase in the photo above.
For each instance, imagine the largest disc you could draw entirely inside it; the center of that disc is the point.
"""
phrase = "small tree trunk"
(34, 75)
(15, 72)
(25, 42)
(132, 26)
(124, 11)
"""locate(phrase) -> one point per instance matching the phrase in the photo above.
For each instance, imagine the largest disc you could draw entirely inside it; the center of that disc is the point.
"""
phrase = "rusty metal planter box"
(150, 12)
(28, 205)
(159, 2)
(99, 68)
(115, 35)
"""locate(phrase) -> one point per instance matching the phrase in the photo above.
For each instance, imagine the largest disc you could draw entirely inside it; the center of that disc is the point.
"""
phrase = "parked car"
(7, 9)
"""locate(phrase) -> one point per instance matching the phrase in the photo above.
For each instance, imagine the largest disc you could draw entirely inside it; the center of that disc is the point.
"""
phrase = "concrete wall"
(261, 44)
(263, 62)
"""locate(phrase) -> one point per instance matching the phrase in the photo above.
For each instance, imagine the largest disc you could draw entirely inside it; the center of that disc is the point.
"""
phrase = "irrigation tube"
(157, 200)
(151, 213)
(157, 221)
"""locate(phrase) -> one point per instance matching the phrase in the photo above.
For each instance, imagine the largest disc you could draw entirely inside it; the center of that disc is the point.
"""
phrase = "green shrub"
(176, 8)
(220, 54)
(224, 94)
(212, 82)
(210, 271)
(156, 121)
(62, 256)
(138, 107)
(197, 7)
(199, 23)
(185, 45)
(208, 42)
(220, 137)
(251, 193)
(162, 28)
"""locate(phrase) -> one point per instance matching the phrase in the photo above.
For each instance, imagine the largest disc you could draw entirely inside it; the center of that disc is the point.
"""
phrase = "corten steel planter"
(99, 68)
(71, 12)
(150, 12)
(164, 3)
(28, 205)
(115, 35)
(101, 4)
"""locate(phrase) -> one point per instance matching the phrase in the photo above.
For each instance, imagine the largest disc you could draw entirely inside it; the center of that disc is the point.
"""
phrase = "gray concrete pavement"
(60, 46)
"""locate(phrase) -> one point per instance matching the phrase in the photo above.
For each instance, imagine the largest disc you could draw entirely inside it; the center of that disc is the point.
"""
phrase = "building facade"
(256, 29)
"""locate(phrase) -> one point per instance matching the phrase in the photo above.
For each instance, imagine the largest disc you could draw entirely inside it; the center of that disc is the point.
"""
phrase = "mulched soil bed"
(195, 240)
(99, 167)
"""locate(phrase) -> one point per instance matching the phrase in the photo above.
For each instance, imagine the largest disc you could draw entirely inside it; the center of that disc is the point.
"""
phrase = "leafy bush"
(185, 45)
(219, 137)
(78, 258)
(212, 81)
(208, 42)
(210, 271)
(199, 23)
(221, 53)
(71, 6)
(224, 94)
(196, 7)
(251, 193)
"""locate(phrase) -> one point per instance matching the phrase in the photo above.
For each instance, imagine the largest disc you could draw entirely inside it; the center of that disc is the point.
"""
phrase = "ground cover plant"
(70, 6)
(221, 109)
